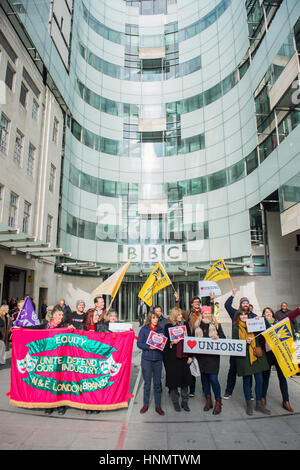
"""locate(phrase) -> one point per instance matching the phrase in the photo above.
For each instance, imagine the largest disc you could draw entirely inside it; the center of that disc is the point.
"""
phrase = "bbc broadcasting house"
(166, 129)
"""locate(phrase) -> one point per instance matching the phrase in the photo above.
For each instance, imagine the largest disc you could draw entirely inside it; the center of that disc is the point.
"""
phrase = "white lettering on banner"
(255, 324)
(221, 346)
(152, 253)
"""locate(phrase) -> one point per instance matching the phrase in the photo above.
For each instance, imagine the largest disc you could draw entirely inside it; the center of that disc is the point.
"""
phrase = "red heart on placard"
(191, 343)
(202, 288)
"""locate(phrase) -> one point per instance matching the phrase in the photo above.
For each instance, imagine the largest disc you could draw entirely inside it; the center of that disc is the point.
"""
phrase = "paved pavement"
(127, 429)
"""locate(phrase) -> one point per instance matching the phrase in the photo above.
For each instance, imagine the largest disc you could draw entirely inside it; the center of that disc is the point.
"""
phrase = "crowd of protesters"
(60, 315)
(96, 318)
(200, 321)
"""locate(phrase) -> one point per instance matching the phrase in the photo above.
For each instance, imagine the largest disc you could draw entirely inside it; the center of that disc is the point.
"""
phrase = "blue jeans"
(258, 386)
(152, 369)
(231, 377)
(211, 380)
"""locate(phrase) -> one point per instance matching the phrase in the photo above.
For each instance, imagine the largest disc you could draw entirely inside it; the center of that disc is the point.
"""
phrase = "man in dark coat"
(67, 311)
(141, 312)
(162, 320)
(283, 312)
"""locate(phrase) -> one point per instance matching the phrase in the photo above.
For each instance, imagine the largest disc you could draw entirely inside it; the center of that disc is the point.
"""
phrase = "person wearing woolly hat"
(190, 316)
(206, 326)
(231, 377)
(244, 300)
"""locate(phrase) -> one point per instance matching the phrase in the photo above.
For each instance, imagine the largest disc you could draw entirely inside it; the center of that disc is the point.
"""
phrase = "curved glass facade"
(130, 111)
(180, 120)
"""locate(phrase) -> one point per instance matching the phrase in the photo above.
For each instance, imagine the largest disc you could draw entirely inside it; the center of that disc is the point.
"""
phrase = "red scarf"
(153, 328)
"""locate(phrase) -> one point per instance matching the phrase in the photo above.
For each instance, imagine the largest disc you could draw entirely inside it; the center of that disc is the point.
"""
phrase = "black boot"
(176, 406)
(185, 406)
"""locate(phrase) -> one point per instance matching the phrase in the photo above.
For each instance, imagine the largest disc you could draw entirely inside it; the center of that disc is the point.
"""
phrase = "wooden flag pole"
(111, 302)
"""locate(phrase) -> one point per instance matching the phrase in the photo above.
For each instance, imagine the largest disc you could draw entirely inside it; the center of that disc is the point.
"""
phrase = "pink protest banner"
(80, 369)
(156, 340)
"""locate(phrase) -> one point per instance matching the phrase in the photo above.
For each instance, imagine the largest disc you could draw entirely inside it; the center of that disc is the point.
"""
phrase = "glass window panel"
(210, 18)
(236, 172)
(217, 180)
(74, 175)
(71, 225)
(109, 188)
(198, 185)
(251, 161)
(85, 181)
(88, 138)
(94, 185)
(212, 94)
(76, 129)
(100, 186)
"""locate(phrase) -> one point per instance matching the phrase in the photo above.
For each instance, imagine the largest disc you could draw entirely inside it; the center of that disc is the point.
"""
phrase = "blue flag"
(27, 315)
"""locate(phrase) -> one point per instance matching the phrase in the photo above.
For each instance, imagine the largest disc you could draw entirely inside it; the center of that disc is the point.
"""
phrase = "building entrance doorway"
(14, 282)
(126, 302)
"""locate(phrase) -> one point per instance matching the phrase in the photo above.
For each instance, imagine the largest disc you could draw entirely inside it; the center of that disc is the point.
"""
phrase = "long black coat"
(177, 370)
(209, 363)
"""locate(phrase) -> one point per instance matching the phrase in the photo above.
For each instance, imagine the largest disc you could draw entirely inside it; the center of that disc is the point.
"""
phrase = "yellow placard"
(281, 341)
(157, 280)
(218, 271)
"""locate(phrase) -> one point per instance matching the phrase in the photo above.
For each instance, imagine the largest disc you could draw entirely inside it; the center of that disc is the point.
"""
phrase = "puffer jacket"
(147, 353)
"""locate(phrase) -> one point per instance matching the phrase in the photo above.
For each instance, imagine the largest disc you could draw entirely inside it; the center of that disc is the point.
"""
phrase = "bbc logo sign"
(152, 253)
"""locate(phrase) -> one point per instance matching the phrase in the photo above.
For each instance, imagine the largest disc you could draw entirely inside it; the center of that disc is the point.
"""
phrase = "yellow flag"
(111, 285)
(218, 271)
(157, 280)
(281, 341)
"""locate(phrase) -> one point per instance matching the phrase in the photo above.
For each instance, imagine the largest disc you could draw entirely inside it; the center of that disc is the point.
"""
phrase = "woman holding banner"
(270, 320)
(152, 359)
(254, 363)
(55, 321)
(206, 326)
(177, 362)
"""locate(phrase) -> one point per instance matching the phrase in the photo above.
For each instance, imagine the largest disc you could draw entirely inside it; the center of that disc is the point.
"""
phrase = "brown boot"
(218, 406)
(208, 403)
(263, 401)
(286, 405)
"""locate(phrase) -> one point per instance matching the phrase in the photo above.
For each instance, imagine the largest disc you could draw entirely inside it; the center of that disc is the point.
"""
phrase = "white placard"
(221, 346)
(118, 327)
(208, 287)
(255, 324)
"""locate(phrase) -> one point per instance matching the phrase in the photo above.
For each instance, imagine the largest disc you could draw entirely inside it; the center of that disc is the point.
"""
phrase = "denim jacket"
(147, 353)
